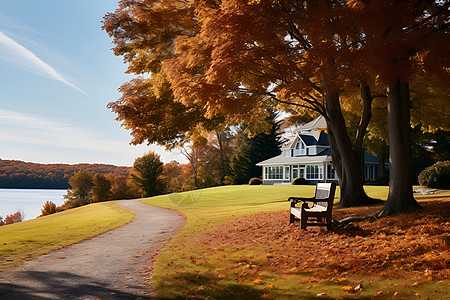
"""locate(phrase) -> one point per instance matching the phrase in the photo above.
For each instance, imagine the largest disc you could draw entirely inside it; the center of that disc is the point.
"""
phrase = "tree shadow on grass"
(63, 285)
(195, 286)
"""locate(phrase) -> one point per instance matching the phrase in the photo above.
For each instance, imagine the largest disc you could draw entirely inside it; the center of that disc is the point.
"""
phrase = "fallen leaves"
(351, 289)
(405, 244)
(347, 288)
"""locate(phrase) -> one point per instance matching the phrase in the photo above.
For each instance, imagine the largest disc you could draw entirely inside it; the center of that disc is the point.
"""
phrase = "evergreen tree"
(251, 150)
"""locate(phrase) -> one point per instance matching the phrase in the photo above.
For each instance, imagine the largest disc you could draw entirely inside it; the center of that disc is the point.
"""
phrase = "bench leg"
(303, 222)
(291, 218)
(329, 224)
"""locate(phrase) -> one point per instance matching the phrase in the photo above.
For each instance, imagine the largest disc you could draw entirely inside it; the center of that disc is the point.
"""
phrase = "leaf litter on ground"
(405, 246)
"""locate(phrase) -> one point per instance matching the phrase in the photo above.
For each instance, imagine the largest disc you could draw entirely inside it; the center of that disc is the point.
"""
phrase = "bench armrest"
(322, 200)
(297, 199)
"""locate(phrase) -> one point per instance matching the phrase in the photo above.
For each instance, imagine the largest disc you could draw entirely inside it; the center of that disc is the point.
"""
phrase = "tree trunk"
(381, 167)
(350, 180)
(220, 137)
(400, 199)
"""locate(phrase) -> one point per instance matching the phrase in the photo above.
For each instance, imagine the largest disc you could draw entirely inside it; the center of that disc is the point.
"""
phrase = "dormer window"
(287, 153)
(300, 149)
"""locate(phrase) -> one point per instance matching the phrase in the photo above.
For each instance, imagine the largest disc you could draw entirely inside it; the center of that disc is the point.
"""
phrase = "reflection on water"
(28, 201)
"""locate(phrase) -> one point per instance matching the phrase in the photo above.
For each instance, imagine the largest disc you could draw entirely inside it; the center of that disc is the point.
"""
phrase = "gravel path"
(113, 265)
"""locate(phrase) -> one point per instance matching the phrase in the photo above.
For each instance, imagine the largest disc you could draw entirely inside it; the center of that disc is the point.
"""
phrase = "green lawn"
(186, 268)
(30, 239)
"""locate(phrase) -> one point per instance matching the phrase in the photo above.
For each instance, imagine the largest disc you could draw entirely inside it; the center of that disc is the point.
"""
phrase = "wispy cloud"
(22, 134)
(26, 60)
(25, 128)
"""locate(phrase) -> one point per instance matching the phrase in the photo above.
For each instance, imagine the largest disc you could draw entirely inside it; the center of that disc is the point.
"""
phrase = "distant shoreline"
(15, 174)
(33, 188)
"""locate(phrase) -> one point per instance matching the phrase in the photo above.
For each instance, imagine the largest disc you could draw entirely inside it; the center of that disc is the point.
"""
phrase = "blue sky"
(57, 74)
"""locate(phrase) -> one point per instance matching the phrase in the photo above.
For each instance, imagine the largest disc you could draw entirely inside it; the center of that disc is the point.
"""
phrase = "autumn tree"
(101, 190)
(234, 60)
(304, 54)
(12, 218)
(173, 176)
(407, 41)
(194, 153)
(122, 187)
(48, 208)
(255, 54)
(221, 152)
(147, 106)
(147, 174)
(80, 191)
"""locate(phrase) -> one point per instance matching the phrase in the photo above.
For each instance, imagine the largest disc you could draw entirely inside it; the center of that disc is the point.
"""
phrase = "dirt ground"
(113, 265)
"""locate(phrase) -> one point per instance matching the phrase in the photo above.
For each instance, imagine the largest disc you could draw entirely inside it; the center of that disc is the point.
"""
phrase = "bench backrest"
(324, 191)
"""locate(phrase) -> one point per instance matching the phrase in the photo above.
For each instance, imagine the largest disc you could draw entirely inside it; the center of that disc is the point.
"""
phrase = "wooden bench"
(319, 214)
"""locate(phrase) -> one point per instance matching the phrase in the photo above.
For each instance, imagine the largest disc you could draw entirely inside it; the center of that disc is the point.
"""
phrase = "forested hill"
(19, 174)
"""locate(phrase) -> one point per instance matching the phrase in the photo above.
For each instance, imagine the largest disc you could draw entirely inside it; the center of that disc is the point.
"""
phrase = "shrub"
(48, 208)
(13, 218)
(299, 181)
(436, 176)
(255, 181)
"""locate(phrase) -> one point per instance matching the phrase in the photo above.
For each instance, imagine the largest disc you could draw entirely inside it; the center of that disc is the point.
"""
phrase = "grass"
(189, 267)
(30, 239)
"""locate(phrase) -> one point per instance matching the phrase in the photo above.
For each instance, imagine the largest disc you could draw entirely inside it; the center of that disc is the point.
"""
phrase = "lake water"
(28, 201)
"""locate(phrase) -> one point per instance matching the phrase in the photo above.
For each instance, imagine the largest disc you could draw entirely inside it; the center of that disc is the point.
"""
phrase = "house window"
(298, 171)
(314, 172)
(370, 172)
(287, 153)
(287, 172)
(331, 173)
(300, 149)
(274, 172)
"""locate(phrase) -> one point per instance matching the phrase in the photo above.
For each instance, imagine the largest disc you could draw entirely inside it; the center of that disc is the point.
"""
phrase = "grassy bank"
(30, 239)
(203, 261)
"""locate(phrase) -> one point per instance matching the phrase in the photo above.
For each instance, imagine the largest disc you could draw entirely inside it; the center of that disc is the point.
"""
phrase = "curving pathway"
(113, 265)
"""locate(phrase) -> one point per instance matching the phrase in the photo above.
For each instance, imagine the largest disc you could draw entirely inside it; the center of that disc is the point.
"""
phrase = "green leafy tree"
(80, 191)
(147, 174)
(101, 190)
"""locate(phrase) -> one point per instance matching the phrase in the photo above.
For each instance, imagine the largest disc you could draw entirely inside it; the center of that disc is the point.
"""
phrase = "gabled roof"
(311, 133)
(309, 140)
(312, 138)
(313, 125)
(323, 139)
(322, 157)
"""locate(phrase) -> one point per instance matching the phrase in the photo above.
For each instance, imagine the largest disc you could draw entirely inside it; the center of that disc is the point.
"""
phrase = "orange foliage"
(11, 219)
(48, 208)
(405, 245)
(14, 173)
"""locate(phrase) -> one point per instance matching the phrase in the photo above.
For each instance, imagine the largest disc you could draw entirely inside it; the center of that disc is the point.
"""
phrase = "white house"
(307, 155)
